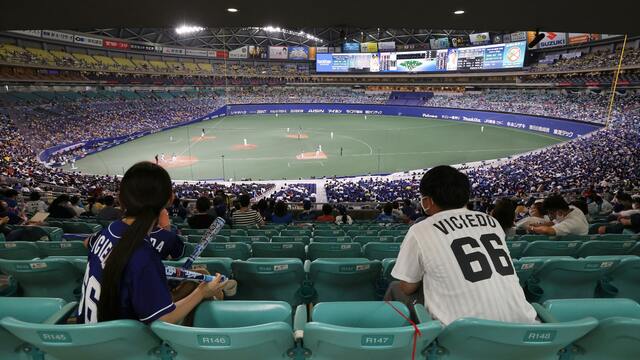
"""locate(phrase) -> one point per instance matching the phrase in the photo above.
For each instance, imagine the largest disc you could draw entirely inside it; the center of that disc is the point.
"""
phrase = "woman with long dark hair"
(125, 277)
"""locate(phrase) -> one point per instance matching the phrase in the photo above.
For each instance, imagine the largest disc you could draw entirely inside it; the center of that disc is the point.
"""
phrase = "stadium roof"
(612, 17)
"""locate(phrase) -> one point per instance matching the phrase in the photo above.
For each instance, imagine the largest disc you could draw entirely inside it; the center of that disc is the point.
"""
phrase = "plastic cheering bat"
(173, 272)
(211, 233)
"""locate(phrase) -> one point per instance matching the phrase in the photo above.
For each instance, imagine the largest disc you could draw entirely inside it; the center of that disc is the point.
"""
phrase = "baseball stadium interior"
(320, 158)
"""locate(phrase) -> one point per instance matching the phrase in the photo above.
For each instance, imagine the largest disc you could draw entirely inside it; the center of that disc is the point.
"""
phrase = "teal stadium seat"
(516, 248)
(296, 232)
(234, 250)
(57, 278)
(61, 248)
(387, 268)
(33, 310)
(248, 239)
(552, 248)
(571, 238)
(238, 330)
(636, 249)
(362, 240)
(381, 250)
(19, 250)
(197, 238)
(353, 279)
(602, 247)
(188, 231)
(333, 250)
(331, 239)
(269, 279)
(213, 265)
(2, 239)
(73, 227)
(39, 233)
(268, 233)
(568, 278)
(328, 233)
(615, 237)
(292, 238)
(532, 238)
(120, 339)
(525, 267)
(354, 233)
(363, 330)
(469, 338)
(623, 281)
(617, 335)
(279, 250)
(392, 233)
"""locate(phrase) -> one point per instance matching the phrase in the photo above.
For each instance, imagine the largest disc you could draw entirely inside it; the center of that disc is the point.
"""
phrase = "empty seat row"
(519, 249)
(606, 237)
(297, 238)
(36, 233)
(23, 250)
(238, 330)
(269, 233)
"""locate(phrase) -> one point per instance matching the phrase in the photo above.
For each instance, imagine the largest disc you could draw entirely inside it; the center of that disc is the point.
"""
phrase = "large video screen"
(487, 57)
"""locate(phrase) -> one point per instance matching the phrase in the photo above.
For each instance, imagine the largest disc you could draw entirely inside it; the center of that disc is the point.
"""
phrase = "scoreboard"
(487, 57)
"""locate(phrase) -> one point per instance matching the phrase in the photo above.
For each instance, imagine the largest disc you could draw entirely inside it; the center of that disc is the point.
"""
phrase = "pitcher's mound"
(313, 155)
(203, 138)
(296, 136)
(181, 161)
(244, 147)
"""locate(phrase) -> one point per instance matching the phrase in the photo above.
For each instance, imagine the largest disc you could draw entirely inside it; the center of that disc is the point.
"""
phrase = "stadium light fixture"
(232, 10)
(458, 12)
(188, 29)
(300, 33)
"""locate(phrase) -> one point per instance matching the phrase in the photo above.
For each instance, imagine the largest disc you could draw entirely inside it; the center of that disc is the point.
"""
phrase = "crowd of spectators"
(595, 60)
(295, 192)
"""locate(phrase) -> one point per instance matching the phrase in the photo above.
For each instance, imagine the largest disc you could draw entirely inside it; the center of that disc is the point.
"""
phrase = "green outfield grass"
(378, 144)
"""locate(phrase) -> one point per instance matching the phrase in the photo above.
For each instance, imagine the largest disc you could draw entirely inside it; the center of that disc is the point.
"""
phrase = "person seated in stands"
(10, 196)
(386, 216)
(626, 220)
(621, 202)
(109, 211)
(220, 206)
(93, 206)
(433, 268)
(35, 204)
(264, 208)
(177, 210)
(60, 208)
(409, 210)
(327, 214)
(306, 214)
(343, 218)
(536, 217)
(281, 214)
(505, 213)
(4, 219)
(75, 205)
(246, 216)
(202, 219)
(598, 206)
(568, 219)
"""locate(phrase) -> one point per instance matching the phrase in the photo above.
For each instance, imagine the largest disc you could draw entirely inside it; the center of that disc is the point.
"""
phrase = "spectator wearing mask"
(505, 213)
(568, 219)
(327, 214)
(246, 216)
(386, 216)
(35, 204)
(177, 210)
(598, 206)
(202, 219)
(60, 208)
(109, 212)
(536, 217)
(344, 217)
(281, 214)
(75, 205)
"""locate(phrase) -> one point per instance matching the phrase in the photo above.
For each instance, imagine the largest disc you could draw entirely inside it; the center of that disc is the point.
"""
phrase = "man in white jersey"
(460, 256)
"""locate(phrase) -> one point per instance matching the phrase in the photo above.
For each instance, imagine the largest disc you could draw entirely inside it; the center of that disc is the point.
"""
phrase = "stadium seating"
(333, 250)
(352, 279)
(213, 265)
(292, 238)
(120, 339)
(552, 248)
(248, 239)
(40, 233)
(568, 278)
(328, 233)
(516, 248)
(365, 330)
(269, 279)
(80, 227)
(278, 250)
(296, 232)
(33, 310)
(617, 335)
(19, 250)
(470, 338)
(380, 250)
(331, 239)
(623, 281)
(525, 267)
(234, 250)
(61, 248)
(54, 277)
(197, 238)
(232, 330)
(605, 247)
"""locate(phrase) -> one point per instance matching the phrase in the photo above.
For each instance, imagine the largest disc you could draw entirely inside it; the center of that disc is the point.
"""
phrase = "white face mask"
(425, 209)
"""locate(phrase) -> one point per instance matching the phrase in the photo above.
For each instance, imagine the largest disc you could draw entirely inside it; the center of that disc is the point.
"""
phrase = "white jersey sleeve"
(408, 265)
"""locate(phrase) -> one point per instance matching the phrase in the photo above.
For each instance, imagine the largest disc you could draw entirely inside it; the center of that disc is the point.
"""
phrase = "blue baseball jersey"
(168, 244)
(144, 292)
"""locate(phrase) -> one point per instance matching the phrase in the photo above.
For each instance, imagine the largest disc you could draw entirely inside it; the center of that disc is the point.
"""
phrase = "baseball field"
(303, 146)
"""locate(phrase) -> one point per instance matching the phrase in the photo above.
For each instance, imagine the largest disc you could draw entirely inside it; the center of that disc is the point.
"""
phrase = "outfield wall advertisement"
(555, 127)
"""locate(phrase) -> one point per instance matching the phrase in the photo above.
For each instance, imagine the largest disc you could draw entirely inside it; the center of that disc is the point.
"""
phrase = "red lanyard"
(416, 331)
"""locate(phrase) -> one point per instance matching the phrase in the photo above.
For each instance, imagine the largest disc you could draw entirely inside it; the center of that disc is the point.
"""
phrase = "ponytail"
(144, 191)
(132, 239)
